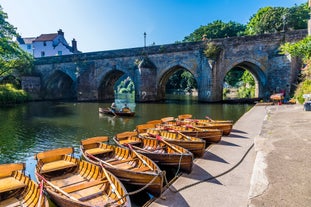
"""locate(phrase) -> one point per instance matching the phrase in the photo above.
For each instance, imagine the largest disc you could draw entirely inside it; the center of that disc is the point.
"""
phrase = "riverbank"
(276, 143)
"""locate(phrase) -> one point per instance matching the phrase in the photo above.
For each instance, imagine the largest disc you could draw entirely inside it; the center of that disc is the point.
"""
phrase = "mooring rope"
(136, 191)
(213, 177)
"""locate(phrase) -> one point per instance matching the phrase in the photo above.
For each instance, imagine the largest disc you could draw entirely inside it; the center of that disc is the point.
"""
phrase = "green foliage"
(247, 90)
(125, 86)
(212, 51)
(181, 79)
(300, 49)
(216, 29)
(13, 60)
(234, 76)
(276, 19)
(10, 95)
(303, 88)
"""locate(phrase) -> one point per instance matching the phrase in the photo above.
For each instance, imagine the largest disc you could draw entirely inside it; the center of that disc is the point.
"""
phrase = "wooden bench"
(141, 169)
(132, 142)
(82, 186)
(11, 202)
(143, 127)
(56, 165)
(10, 183)
(121, 161)
(125, 135)
(167, 119)
(53, 160)
(98, 151)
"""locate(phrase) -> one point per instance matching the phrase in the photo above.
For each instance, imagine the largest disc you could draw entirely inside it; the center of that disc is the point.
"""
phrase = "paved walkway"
(275, 172)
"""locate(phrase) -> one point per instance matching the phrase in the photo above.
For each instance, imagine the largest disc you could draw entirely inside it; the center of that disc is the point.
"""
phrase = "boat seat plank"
(125, 135)
(10, 183)
(82, 186)
(89, 197)
(7, 169)
(11, 202)
(56, 165)
(125, 166)
(97, 151)
(93, 140)
(55, 152)
(141, 169)
(123, 142)
(121, 161)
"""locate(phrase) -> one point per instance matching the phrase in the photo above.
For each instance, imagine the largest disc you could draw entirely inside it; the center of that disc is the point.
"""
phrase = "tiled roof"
(46, 37)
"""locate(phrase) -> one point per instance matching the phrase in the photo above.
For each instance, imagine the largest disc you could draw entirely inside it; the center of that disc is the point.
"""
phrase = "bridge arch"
(107, 82)
(167, 73)
(60, 85)
(255, 68)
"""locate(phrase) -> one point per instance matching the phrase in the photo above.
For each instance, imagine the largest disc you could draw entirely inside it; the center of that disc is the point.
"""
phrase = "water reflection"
(34, 127)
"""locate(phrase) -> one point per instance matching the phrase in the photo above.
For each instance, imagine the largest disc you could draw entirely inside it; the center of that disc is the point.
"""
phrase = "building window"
(59, 53)
(28, 47)
(44, 43)
(42, 53)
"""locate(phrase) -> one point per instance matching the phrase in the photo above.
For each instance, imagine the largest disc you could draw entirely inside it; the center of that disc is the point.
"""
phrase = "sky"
(99, 25)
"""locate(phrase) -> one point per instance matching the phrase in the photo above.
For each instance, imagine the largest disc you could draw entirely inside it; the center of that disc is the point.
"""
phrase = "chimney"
(74, 45)
(60, 32)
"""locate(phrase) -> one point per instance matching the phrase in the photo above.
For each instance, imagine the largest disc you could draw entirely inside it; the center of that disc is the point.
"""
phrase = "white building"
(48, 45)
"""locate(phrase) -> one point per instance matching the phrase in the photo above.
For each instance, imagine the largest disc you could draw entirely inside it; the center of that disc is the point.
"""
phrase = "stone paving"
(275, 171)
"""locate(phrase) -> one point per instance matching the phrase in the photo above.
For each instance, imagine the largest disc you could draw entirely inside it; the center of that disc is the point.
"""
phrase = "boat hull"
(17, 189)
(137, 174)
(73, 182)
(154, 149)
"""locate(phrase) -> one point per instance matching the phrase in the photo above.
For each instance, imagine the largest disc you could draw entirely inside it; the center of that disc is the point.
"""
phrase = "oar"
(144, 161)
(97, 159)
(112, 112)
(183, 135)
(196, 128)
(41, 193)
(138, 148)
(209, 118)
(114, 189)
(158, 137)
(56, 187)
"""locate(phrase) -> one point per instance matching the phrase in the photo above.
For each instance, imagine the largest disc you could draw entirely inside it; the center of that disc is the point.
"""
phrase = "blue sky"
(99, 25)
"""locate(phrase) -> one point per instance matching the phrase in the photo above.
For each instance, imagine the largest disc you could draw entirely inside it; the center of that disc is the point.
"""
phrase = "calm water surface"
(37, 126)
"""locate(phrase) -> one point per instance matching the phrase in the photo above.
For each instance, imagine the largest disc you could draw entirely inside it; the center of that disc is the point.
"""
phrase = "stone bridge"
(91, 76)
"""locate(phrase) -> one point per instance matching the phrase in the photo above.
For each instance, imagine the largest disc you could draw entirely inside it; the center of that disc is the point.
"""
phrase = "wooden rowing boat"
(71, 182)
(17, 189)
(161, 152)
(226, 127)
(193, 144)
(128, 165)
(208, 135)
(113, 113)
(188, 117)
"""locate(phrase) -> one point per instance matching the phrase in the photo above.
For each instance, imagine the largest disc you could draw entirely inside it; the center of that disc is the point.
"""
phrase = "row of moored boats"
(97, 178)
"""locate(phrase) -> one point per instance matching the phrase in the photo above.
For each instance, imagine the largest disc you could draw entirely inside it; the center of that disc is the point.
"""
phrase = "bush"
(11, 95)
(303, 88)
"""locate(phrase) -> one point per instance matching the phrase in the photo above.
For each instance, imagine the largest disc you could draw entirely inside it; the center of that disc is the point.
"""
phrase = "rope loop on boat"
(213, 177)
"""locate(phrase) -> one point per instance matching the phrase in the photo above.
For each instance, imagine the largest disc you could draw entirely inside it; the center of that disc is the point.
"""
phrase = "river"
(29, 128)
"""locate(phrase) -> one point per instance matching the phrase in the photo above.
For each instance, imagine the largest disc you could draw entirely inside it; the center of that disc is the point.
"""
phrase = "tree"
(276, 19)
(181, 79)
(216, 29)
(301, 49)
(13, 60)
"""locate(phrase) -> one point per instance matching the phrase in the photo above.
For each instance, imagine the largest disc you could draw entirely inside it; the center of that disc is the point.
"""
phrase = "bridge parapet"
(91, 76)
